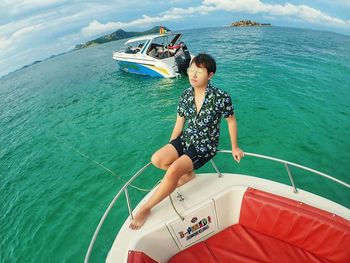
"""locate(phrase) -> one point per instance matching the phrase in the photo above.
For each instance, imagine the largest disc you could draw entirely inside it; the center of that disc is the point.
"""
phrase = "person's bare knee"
(164, 157)
(180, 167)
(158, 161)
(186, 178)
(189, 174)
(172, 175)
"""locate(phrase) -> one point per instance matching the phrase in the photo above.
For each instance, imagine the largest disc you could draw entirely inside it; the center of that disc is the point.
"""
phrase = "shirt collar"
(208, 89)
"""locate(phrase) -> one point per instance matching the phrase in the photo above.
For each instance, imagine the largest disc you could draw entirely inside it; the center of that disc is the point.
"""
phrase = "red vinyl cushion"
(198, 253)
(243, 245)
(301, 225)
(283, 230)
(139, 257)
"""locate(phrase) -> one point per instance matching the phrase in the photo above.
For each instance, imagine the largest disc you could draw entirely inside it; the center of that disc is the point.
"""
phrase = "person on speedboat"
(202, 106)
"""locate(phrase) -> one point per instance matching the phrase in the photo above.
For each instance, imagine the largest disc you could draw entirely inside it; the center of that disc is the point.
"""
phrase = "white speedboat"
(158, 55)
(222, 217)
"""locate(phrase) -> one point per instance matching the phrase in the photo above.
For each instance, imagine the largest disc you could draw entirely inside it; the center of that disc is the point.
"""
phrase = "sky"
(32, 30)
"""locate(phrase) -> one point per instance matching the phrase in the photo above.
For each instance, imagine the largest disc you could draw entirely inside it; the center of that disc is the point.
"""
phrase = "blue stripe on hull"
(138, 69)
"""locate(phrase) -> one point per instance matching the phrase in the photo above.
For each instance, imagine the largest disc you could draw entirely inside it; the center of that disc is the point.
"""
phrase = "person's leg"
(192, 153)
(164, 157)
(197, 163)
(178, 168)
(186, 178)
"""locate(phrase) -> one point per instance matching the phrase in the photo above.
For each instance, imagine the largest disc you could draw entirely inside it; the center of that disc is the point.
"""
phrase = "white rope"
(104, 167)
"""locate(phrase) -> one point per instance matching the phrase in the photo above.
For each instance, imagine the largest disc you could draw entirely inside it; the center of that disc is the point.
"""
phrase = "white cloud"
(182, 12)
(96, 28)
(250, 6)
(303, 12)
(5, 43)
(18, 7)
(338, 3)
(56, 22)
(56, 25)
(14, 34)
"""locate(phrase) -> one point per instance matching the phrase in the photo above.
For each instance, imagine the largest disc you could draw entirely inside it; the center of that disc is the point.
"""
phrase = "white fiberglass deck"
(224, 193)
(208, 195)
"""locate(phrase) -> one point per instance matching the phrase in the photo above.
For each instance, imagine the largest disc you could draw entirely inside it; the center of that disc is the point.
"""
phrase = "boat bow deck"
(200, 209)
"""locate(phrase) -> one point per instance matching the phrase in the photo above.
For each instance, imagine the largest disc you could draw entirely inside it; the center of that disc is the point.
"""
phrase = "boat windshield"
(135, 47)
(161, 46)
(164, 46)
(166, 40)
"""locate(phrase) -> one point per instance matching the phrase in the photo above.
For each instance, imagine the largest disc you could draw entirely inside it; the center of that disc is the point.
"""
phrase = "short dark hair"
(205, 61)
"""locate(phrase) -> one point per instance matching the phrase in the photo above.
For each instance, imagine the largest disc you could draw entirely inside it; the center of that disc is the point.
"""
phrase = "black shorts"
(191, 152)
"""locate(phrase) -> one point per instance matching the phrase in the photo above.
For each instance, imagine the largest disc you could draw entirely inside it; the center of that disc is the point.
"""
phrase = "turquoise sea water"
(290, 88)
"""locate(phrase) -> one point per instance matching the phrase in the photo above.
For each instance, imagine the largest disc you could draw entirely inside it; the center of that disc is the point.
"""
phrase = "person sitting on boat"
(152, 52)
(202, 106)
(139, 47)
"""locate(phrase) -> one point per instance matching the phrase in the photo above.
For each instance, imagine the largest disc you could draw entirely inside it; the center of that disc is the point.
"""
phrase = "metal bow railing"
(124, 189)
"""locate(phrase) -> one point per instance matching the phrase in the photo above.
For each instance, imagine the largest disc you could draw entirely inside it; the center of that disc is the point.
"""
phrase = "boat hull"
(144, 69)
(206, 196)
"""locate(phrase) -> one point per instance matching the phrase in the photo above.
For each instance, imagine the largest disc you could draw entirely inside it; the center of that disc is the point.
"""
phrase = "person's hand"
(237, 154)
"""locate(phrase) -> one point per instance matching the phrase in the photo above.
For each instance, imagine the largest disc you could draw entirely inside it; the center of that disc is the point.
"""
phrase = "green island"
(117, 35)
(242, 23)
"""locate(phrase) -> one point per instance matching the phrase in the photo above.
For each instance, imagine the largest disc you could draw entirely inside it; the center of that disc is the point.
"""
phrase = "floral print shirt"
(203, 129)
